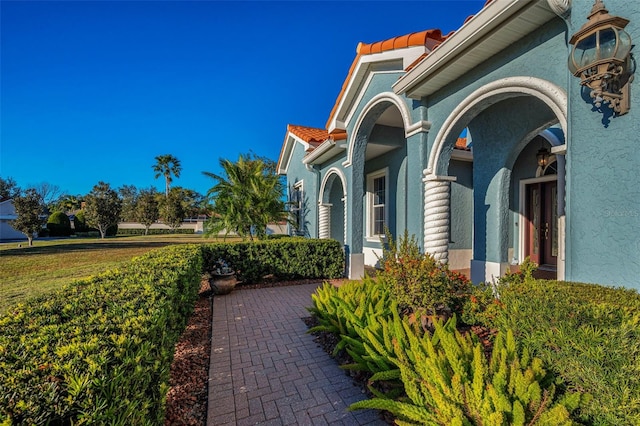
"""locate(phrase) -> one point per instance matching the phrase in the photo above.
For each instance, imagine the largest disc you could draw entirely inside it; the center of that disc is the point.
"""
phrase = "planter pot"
(223, 283)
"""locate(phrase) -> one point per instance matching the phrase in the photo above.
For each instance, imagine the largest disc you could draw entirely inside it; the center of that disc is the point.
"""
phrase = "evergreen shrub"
(79, 222)
(99, 351)
(587, 334)
(421, 284)
(152, 231)
(59, 225)
(281, 259)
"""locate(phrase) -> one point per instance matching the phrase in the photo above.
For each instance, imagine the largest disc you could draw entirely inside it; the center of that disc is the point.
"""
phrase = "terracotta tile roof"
(314, 136)
(461, 143)
(428, 38)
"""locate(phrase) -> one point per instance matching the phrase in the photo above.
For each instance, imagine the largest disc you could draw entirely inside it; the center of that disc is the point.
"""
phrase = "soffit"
(491, 30)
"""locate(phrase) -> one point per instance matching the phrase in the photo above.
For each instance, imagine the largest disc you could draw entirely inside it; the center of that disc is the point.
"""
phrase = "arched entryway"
(504, 117)
(332, 206)
(376, 168)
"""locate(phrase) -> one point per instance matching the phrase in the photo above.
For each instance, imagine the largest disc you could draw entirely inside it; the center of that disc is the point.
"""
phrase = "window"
(296, 208)
(377, 198)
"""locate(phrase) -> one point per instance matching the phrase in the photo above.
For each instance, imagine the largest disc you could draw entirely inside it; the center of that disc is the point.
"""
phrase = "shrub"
(79, 222)
(448, 381)
(587, 334)
(153, 231)
(284, 259)
(420, 283)
(439, 378)
(99, 351)
(59, 225)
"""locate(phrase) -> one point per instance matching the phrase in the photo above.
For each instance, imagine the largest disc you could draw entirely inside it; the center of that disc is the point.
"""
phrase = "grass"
(26, 272)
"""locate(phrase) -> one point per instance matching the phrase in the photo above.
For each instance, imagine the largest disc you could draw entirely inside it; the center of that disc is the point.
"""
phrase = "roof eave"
(325, 151)
(481, 37)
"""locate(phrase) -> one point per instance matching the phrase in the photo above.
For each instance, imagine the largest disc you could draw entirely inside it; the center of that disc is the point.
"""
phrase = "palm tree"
(247, 198)
(166, 165)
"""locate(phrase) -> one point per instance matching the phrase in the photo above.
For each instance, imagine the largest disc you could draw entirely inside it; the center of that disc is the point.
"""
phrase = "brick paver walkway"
(265, 369)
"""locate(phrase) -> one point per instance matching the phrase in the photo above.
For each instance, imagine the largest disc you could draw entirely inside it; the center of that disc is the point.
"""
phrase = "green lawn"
(48, 265)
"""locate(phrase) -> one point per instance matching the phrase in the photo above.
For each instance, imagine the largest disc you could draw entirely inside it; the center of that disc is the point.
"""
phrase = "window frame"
(297, 197)
(371, 235)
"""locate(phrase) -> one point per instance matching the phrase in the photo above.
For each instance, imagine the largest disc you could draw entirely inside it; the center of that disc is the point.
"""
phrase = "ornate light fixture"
(543, 156)
(601, 57)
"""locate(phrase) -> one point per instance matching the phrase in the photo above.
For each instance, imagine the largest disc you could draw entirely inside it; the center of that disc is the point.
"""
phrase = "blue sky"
(93, 91)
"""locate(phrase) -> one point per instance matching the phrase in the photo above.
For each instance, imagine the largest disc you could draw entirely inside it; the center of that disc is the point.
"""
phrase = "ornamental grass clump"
(421, 285)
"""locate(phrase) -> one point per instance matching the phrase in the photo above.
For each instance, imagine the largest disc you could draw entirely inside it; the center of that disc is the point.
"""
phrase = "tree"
(8, 188)
(147, 208)
(49, 193)
(166, 165)
(246, 198)
(102, 207)
(129, 197)
(69, 203)
(172, 209)
(29, 208)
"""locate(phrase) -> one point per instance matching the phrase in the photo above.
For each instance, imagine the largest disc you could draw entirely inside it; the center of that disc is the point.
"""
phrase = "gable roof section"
(310, 137)
(404, 49)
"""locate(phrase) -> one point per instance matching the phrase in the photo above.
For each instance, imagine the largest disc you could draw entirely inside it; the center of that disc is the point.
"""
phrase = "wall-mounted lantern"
(601, 57)
(543, 156)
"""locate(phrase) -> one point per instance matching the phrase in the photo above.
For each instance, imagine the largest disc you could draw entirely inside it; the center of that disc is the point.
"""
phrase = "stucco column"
(324, 221)
(437, 215)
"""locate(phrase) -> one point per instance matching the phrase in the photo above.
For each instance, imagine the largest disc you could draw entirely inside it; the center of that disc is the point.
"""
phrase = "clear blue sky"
(93, 91)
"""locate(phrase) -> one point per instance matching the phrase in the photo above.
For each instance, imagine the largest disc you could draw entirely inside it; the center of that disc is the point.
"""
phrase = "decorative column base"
(437, 216)
(324, 227)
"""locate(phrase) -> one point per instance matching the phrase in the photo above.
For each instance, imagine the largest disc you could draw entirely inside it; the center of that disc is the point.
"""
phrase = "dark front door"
(542, 223)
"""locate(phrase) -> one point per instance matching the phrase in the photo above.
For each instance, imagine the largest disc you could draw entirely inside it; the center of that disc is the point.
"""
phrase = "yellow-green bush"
(99, 351)
(589, 335)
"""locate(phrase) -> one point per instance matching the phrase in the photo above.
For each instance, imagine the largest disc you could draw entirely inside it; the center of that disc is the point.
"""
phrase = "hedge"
(154, 231)
(282, 258)
(99, 351)
(588, 334)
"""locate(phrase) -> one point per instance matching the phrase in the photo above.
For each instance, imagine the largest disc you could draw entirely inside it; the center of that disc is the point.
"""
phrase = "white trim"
(323, 185)
(365, 63)
(522, 219)
(489, 31)
(287, 152)
(486, 271)
(331, 171)
(354, 106)
(369, 235)
(421, 126)
(552, 95)
(324, 151)
(379, 98)
(460, 155)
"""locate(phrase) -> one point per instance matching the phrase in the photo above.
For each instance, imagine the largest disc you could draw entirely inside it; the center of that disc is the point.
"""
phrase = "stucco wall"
(603, 184)
(297, 172)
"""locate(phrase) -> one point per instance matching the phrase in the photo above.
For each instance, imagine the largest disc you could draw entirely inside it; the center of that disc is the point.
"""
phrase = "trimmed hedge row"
(99, 351)
(152, 231)
(282, 258)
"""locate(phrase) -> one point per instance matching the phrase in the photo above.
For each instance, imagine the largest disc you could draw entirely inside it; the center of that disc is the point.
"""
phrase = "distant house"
(7, 214)
(483, 145)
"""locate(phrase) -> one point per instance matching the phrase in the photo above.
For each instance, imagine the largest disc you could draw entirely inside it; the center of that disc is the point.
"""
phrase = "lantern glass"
(624, 45)
(585, 52)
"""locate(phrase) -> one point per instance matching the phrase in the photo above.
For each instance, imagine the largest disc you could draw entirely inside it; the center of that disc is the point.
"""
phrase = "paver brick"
(277, 374)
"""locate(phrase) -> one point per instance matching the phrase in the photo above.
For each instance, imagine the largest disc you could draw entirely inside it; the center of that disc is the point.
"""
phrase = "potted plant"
(223, 278)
